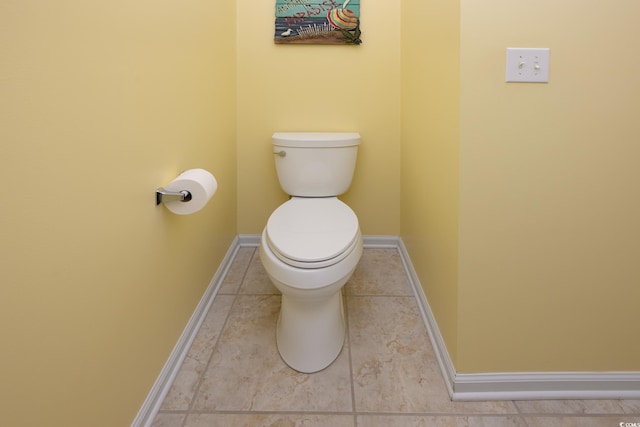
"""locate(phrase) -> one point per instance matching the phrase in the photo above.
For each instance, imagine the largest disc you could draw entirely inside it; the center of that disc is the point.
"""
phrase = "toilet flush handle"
(281, 153)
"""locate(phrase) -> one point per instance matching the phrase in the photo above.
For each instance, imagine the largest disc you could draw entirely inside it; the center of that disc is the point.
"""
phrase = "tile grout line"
(519, 412)
(351, 376)
(384, 413)
(574, 415)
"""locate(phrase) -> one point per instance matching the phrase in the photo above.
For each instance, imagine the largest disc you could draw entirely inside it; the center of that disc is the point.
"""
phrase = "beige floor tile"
(256, 280)
(577, 407)
(233, 279)
(379, 272)
(269, 420)
(567, 421)
(168, 420)
(387, 374)
(184, 385)
(438, 421)
(246, 372)
(394, 366)
(630, 406)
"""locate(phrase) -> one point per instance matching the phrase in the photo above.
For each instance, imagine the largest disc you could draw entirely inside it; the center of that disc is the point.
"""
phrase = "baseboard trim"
(373, 241)
(160, 388)
(249, 240)
(547, 385)
(517, 386)
(253, 240)
(437, 341)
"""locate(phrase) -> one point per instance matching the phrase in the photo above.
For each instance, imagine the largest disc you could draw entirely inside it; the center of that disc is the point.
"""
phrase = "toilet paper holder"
(163, 196)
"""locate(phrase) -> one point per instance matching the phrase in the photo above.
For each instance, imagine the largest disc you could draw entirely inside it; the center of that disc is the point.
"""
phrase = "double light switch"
(528, 65)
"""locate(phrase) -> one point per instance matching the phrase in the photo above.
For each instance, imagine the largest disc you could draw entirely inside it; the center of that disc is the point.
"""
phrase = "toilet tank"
(315, 164)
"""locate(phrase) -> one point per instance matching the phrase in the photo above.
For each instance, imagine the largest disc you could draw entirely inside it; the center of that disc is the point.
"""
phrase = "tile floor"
(386, 375)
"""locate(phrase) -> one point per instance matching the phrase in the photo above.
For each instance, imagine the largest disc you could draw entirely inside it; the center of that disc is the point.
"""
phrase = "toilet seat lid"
(312, 229)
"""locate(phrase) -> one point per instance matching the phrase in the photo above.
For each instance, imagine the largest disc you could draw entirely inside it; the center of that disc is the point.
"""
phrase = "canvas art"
(317, 22)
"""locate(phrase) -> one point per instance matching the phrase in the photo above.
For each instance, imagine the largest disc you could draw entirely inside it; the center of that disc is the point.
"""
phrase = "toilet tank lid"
(316, 139)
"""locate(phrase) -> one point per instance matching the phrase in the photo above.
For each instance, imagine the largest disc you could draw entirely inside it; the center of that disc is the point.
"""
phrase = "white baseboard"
(371, 242)
(253, 240)
(152, 403)
(249, 240)
(518, 386)
(482, 386)
(442, 355)
(547, 385)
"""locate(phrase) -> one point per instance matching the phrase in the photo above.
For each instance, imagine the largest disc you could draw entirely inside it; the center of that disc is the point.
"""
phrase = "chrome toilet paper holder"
(163, 196)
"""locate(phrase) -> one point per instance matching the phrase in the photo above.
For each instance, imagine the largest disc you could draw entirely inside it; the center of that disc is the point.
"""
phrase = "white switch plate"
(528, 65)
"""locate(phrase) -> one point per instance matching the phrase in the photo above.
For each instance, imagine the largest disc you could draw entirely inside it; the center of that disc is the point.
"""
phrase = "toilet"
(312, 244)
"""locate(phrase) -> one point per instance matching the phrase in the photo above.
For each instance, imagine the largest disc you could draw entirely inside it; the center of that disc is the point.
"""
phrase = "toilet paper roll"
(200, 183)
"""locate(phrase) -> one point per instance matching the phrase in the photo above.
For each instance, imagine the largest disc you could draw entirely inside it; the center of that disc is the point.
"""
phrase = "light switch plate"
(527, 65)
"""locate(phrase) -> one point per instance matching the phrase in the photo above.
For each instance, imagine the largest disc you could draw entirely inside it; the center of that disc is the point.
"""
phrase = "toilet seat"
(312, 232)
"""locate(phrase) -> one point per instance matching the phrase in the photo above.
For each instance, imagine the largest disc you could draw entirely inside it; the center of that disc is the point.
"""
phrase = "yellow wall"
(548, 236)
(549, 206)
(320, 88)
(100, 103)
(517, 203)
(429, 167)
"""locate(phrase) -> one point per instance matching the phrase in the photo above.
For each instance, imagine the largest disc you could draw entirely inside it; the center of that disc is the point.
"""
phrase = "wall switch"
(528, 65)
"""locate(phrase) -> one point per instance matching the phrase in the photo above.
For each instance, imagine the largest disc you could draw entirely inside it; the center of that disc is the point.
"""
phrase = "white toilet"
(311, 245)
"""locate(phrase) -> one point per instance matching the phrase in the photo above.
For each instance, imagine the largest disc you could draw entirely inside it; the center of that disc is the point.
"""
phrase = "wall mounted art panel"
(317, 22)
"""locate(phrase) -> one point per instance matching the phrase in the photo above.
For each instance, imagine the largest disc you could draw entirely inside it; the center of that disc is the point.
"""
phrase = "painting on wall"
(317, 22)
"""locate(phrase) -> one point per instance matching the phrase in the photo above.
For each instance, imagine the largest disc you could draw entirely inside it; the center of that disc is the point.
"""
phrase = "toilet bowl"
(310, 248)
(311, 244)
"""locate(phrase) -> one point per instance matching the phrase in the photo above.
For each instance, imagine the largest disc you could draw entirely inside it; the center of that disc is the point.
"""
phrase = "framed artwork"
(317, 22)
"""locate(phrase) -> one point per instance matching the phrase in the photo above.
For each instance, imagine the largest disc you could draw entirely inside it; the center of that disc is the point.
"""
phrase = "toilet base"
(310, 332)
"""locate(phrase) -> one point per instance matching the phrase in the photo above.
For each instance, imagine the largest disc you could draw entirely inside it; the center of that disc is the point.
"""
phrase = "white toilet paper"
(200, 183)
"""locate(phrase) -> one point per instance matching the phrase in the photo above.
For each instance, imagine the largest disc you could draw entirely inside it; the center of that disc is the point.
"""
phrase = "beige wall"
(429, 167)
(517, 203)
(320, 88)
(549, 206)
(548, 236)
(100, 103)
